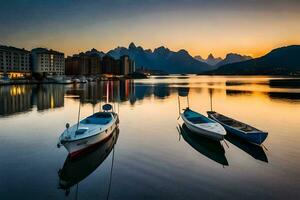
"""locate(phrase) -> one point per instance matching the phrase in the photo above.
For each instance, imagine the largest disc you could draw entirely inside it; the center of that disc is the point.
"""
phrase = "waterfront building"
(126, 65)
(88, 63)
(14, 62)
(95, 63)
(122, 66)
(47, 62)
(110, 65)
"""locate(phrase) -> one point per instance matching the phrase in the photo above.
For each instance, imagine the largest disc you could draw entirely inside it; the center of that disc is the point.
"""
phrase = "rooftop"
(10, 48)
(45, 50)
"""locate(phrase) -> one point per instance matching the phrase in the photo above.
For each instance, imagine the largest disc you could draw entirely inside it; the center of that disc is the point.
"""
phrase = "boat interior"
(233, 123)
(101, 118)
(195, 118)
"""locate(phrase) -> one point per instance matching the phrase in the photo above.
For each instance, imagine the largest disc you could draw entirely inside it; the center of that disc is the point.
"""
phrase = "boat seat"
(197, 120)
(247, 128)
(94, 120)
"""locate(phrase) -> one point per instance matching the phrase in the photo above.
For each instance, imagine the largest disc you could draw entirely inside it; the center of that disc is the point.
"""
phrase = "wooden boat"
(209, 148)
(89, 131)
(202, 125)
(244, 131)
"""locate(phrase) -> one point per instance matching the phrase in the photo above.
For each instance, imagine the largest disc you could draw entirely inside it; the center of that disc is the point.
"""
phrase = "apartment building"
(14, 62)
(47, 61)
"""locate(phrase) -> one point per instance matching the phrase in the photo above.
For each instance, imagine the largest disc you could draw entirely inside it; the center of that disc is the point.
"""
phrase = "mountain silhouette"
(230, 58)
(211, 60)
(233, 58)
(162, 59)
(280, 61)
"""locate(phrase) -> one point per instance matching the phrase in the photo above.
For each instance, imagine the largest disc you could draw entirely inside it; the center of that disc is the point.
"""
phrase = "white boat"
(89, 131)
(202, 125)
(62, 80)
(76, 80)
(83, 80)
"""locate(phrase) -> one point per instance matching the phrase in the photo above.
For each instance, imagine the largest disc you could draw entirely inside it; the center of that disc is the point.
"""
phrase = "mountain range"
(230, 58)
(162, 59)
(280, 61)
(211, 60)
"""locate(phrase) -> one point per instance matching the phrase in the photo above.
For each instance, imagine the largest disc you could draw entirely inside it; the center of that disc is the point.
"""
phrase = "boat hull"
(256, 138)
(78, 147)
(205, 133)
(209, 148)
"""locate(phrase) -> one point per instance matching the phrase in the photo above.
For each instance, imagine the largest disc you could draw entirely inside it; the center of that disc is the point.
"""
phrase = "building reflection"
(22, 98)
(15, 99)
(48, 96)
(111, 91)
(162, 91)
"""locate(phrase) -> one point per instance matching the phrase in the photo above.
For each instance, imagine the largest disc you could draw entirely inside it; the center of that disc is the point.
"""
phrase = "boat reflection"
(211, 149)
(231, 92)
(76, 170)
(285, 83)
(255, 151)
(286, 96)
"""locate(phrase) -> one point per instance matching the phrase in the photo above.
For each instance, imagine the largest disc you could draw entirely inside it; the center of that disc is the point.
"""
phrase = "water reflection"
(237, 92)
(255, 151)
(75, 170)
(162, 91)
(15, 99)
(156, 165)
(113, 91)
(284, 83)
(211, 149)
(48, 96)
(284, 95)
(22, 98)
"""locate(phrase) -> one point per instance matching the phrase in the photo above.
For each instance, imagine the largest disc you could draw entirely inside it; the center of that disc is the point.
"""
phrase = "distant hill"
(281, 61)
(230, 58)
(233, 58)
(162, 59)
(211, 60)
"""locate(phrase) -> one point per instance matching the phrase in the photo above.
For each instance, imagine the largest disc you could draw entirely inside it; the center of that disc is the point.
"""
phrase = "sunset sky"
(251, 27)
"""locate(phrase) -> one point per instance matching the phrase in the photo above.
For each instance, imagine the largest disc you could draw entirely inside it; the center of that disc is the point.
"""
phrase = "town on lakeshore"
(42, 65)
(149, 99)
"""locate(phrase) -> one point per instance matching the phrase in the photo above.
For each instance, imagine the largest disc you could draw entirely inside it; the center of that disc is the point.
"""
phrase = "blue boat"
(240, 129)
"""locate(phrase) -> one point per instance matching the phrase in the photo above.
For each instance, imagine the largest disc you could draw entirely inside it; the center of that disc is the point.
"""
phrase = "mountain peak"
(161, 50)
(233, 58)
(210, 56)
(131, 46)
(198, 57)
(183, 51)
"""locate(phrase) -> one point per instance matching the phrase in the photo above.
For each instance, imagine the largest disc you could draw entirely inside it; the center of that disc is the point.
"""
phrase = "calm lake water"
(151, 159)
